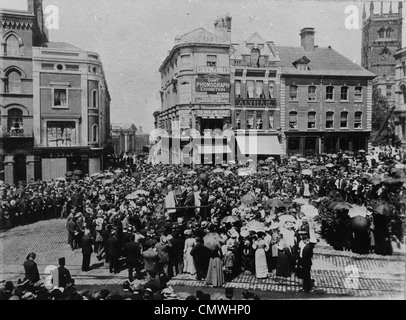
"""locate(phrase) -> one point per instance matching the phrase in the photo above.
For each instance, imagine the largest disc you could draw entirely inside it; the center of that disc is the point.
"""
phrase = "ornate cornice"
(13, 24)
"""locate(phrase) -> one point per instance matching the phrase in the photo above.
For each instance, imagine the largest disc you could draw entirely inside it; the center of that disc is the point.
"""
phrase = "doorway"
(20, 169)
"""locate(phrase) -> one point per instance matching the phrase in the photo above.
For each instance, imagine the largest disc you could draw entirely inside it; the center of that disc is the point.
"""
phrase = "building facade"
(326, 100)
(400, 97)
(381, 37)
(127, 138)
(55, 104)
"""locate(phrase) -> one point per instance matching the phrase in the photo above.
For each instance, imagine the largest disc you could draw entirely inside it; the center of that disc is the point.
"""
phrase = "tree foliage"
(380, 110)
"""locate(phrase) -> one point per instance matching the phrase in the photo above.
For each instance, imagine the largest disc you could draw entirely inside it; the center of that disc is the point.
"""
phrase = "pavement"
(375, 277)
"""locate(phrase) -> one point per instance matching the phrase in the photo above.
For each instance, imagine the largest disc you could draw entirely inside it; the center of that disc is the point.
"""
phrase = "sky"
(133, 37)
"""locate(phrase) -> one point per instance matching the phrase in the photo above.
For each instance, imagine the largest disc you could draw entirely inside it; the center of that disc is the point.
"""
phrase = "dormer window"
(302, 63)
(255, 54)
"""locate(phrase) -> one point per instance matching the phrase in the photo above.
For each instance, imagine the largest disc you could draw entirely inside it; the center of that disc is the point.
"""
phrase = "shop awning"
(253, 144)
(213, 149)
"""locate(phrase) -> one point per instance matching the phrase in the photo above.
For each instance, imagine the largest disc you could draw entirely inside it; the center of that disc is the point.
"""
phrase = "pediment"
(255, 38)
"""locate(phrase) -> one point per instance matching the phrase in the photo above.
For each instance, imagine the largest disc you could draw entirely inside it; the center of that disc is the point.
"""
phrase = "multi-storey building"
(381, 37)
(326, 99)
(127, 138)
(55, 104)
(400, 97)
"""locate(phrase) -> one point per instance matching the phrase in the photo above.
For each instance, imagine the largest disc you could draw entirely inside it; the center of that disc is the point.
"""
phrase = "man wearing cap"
(305, 261)
(114, 251)
(132, 253)
(61, 276)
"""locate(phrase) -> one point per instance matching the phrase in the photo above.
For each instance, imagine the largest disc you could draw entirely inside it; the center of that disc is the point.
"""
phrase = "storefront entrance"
(20, 168)
(208, 125)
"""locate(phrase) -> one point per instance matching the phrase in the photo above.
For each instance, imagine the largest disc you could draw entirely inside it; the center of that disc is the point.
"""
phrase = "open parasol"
(276, 203)
(330, 165)
(229, 219)
(301, 201)
(248, 199)
(307, 172)
(228, 172)
(269, 159)
(107, 181)
(382, 209)
(301, 160)
(141, 192)
(212, 240)
(131, 196)
(341, 205)
(160, 179)
(293, 158)
(191, 172)
(309, 210)
(218, 170)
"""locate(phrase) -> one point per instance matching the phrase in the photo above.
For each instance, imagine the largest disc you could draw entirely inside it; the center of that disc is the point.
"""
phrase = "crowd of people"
(213, 221)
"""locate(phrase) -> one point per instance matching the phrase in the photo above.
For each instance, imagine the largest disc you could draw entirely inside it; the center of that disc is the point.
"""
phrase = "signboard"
(212, 89)
(255, 102)
(219, 70)
(184, 119)
(213, 113)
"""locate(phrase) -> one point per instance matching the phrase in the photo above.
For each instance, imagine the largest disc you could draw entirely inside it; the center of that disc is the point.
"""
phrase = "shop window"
(15, 122)
(344, 93)
(237, 86)
(60, 98)
(293, 93)
(61, 134)
(13, 82)
(211, 60)
(250, 120)
(259, 89)
(344, 120)
(271, 89)
(12, 46)
(259, 122)
(329, 93)
(330, 120)
(293, 120)
(358, 120)
(311, 121)
(250, 89)
(312, 93)
(358, 94)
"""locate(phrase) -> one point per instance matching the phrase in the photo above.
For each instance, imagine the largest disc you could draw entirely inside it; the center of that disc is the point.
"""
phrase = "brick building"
(55, 104)
(400, 97)
(326, 99)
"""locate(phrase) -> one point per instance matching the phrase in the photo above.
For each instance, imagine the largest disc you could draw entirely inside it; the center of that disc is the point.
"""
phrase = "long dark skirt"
(283, 268)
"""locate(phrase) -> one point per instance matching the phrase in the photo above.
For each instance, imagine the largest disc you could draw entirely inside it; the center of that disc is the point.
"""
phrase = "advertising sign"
(212, 89)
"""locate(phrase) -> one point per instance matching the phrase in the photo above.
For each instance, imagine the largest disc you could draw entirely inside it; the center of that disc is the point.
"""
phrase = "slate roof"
(62, 46)
(323, 61)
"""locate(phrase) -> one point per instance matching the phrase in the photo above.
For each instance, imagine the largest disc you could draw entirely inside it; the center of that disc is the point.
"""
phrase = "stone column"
(9, 170)
(30, 164)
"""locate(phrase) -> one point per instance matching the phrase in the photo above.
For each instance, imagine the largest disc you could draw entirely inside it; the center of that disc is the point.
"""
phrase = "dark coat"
(31, 271)
(87, 245)
(63, 276)
(132, 251)
(201, 255)
(114, 246)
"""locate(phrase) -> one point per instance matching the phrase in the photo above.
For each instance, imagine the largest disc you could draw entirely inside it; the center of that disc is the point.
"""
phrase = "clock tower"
(381, 37)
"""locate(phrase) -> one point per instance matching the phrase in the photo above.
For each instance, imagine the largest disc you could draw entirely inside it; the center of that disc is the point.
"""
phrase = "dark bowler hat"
(61, 261)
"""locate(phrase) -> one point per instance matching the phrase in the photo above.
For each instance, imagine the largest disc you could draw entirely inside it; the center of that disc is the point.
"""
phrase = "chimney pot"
(307, 39)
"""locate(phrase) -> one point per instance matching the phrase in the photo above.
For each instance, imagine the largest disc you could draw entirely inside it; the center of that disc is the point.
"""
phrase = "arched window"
(312, 93)
(381, 33)
(389, 33)
(344, 120)
(95, 133)
(15, 121)
(95, 100)
(12, 46)
(13, 82)
(403, 88)
(255, 53)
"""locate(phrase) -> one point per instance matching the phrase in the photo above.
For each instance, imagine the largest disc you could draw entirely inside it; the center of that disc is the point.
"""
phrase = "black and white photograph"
(229, 151)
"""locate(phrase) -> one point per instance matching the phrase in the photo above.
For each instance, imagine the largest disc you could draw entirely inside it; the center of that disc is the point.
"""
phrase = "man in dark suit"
(132, 253)
(201, 256)
(63, 275)
(31, 269)
(190, 202)
(114, 252)
(305, 261)
(87, 250)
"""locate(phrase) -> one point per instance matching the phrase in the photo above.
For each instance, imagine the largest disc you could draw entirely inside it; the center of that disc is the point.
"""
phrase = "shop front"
(53, 163)
(212, 121)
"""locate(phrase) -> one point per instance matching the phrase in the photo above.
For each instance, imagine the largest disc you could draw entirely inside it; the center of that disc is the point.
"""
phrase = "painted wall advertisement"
(212, 88)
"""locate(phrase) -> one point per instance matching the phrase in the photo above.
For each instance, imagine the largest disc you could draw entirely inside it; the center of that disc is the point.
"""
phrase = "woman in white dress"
(188, 262)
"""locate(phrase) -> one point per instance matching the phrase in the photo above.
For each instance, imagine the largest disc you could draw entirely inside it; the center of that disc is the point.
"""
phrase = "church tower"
(381, 37)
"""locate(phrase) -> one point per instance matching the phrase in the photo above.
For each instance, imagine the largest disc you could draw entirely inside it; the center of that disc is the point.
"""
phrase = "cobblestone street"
(379, 277)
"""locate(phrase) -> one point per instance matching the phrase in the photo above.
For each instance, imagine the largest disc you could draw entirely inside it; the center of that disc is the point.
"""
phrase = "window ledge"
(312, 101)
(344, 101)
(294, 101)
(329, 101)
(59, 107)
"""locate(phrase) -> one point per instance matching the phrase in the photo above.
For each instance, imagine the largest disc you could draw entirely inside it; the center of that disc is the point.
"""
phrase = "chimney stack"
(40, 32)
(140, 129)
(222, 28)
(307, 39)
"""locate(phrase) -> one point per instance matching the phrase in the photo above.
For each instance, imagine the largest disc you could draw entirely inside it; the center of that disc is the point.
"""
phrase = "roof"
(61, 46)
(123, 126)
(244, 47)
(323, 61)
(197, 35)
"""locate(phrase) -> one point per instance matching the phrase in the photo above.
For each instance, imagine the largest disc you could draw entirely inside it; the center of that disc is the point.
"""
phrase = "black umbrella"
(382, 209)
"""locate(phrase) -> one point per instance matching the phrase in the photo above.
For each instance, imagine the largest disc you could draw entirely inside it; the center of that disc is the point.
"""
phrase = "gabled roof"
(323, 61)
(197, 35)
(302, 60)
(255, 38)
(244, 47)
